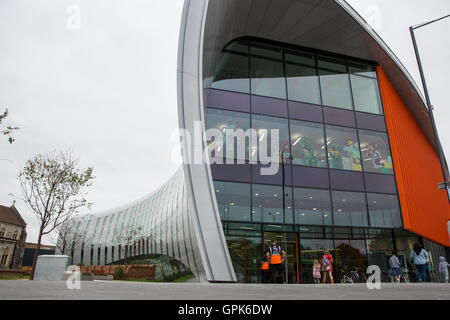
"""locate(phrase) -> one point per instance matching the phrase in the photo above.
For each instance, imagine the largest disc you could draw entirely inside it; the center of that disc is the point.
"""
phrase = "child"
(395, 267)
(265, 267)
(443, 268)
(316, 271)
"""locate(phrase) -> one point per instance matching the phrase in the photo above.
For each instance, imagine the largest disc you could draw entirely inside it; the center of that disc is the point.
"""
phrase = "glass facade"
(335, 187)
(353, 249)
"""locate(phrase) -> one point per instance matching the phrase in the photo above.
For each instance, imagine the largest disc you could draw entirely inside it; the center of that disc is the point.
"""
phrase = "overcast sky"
(98, 78)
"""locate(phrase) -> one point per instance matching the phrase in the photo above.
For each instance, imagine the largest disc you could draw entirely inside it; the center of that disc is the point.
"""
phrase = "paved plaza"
(101, 290)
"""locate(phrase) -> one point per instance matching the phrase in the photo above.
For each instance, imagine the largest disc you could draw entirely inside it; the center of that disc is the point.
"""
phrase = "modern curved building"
(357, 166)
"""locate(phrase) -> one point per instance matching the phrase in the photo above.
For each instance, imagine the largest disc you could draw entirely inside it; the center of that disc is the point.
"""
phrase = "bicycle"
(350, 277)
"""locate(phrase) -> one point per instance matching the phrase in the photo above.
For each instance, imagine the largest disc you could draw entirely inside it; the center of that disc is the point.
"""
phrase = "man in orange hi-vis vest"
(276, 261)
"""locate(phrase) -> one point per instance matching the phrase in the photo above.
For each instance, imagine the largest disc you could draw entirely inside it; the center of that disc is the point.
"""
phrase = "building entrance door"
(288, 241)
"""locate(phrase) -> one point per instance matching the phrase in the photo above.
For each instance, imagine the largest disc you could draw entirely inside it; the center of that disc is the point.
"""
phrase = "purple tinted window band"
(304, 111)
(231, 172)
(346, 180)
(380, 183)
(269, 106)
(227, 100)
(370, 121)
(310, 177)
(339, 117)
(276, 179)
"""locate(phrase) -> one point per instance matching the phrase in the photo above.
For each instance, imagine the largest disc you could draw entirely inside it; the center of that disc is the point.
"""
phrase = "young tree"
(126, 239)
(8, 130)
(66, 239)
(54, 188)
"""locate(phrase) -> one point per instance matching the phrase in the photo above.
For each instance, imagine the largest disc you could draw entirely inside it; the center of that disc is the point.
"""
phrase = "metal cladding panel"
(425, 208)
(204, 213)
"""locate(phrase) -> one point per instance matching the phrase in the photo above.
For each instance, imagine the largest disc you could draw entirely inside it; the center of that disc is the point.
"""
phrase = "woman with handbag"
(327, 267)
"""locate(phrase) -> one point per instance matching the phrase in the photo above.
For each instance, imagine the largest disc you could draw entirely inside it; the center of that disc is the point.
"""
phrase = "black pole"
(428, 101)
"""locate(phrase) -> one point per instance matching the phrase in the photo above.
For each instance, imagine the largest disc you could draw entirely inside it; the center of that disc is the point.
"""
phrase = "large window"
(268, 204)
(343, 148)
(350, 251)
(366, 95)
(375, 152)
(232, 73)
(349, 209)
(384, 210)
(303, 84)
(267, 77)
(260, 123)
(335, 84)
(313, 243)
(233, 200)
(228, 120)
(312, 206)
(380, 244)
(308, 144)
(245, 248)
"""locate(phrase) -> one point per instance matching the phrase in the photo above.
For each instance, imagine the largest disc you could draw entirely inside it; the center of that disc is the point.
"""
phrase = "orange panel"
(425, 208)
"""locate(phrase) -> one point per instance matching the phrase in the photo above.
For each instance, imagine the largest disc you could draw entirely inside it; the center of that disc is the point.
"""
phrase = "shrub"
(119, 273)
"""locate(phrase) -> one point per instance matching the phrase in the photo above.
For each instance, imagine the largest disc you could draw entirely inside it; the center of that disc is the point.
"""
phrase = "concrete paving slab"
(107, 290)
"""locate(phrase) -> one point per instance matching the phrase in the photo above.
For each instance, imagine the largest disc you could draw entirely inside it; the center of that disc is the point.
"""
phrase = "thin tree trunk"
(33, 268)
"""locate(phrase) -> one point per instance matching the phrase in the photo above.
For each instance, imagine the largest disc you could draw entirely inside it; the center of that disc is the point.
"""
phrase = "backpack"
(325, 262)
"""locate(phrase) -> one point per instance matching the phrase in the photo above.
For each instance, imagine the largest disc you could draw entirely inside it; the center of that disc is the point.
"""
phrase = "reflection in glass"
(266, 50)
(232, 73)
(380, 245)
(335, 90)
(362, 69)
(238, 46)
(308, 144)
(384, 210)
(333, 64)
(343, 149)
(233, 200)
(228, 122)
(303, 84)
(366, 95)
(312, 248)
(300, 57)
(245, 248)
(267, 78)
(404, 241)
(312, 206)
(349, 209)
(268, 204)
(375, 152)
(350, 254)
(260, 123)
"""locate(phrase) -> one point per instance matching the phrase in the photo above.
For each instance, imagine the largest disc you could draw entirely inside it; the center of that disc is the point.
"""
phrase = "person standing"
(443, 268)
(276, 262)
(395, 265)
(265, 262)
(316, 271)
(420, 259)
(327, 267)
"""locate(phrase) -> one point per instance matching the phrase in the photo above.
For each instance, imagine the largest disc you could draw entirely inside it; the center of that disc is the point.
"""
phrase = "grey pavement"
(105, 290)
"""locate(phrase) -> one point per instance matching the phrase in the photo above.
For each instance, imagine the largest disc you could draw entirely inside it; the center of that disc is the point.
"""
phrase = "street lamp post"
(428, 101)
